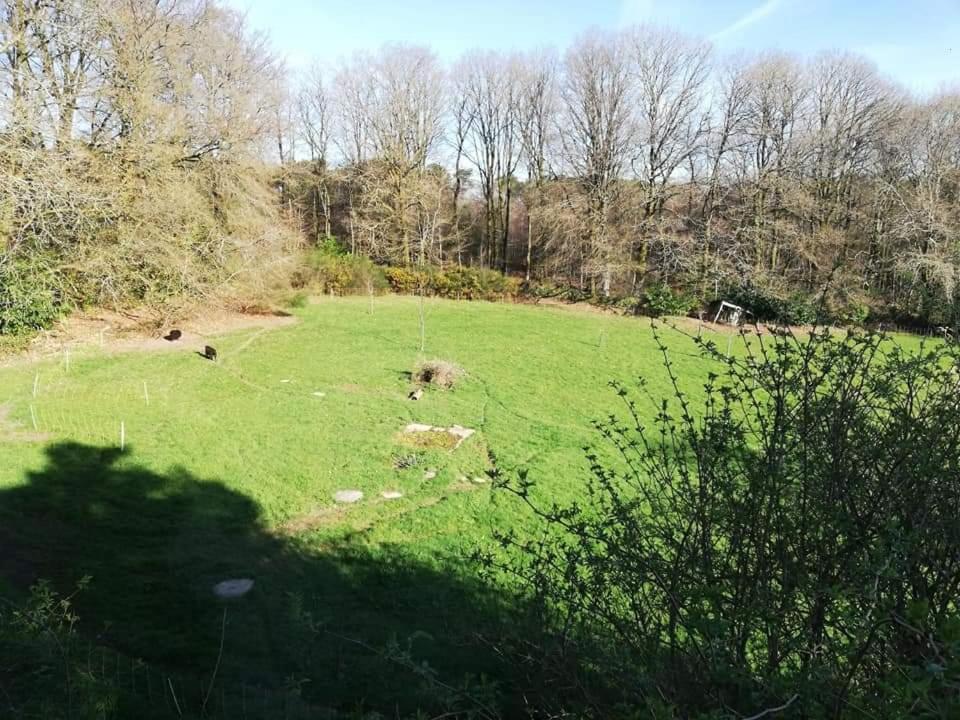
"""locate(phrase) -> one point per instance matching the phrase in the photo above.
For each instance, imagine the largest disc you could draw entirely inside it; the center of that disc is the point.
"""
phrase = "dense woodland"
(639, 159)
(141, 144)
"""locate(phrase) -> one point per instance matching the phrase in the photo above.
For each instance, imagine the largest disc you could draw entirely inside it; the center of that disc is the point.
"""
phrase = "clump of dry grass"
(441, 373)
(434, 440)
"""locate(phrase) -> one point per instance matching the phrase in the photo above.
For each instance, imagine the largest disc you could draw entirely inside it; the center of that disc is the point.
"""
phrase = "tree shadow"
(155, 545)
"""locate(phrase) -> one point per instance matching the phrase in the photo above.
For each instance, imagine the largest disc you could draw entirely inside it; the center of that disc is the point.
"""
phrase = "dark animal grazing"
(210, 353)
(173, 336)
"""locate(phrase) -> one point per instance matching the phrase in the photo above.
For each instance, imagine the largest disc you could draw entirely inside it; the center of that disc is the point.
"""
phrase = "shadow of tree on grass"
(154, 545)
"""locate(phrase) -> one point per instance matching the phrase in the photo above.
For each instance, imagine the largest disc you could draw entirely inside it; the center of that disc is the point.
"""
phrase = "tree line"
(144, 147)
(635, 158)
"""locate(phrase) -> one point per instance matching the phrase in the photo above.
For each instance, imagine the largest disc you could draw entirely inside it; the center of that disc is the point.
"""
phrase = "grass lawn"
(229, 470)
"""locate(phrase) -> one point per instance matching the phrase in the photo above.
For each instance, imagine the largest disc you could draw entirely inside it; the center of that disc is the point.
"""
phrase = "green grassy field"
(229, 470)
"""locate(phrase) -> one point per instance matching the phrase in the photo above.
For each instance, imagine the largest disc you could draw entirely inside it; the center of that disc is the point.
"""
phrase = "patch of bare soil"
(318, 517)
(693, 325)
(687, 324)
(11, 431)
(139, 332)
(581, 307)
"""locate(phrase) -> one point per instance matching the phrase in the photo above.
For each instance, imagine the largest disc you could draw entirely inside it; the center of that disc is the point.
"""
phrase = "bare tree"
(315, 123)
(391, 108)
(490, 86)
(671, 73)
(538, 122)
(724, 143)
(596, 136)
(461, 122)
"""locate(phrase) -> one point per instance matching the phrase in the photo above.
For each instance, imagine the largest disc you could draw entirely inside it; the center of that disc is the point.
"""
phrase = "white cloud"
(754, 16)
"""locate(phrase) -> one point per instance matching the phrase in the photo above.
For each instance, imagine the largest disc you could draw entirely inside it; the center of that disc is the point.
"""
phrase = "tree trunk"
(529, 245)
(506, 232)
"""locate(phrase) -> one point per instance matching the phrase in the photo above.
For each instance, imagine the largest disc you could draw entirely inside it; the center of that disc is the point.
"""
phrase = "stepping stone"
(391, 495)
(230, 589)
(348, 496)
(430, 474)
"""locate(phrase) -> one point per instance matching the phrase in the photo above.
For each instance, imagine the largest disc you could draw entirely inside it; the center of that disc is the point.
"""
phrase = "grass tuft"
(439, 373)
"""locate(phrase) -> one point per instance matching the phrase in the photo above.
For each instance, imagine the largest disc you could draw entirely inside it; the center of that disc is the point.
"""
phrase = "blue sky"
(917, 42)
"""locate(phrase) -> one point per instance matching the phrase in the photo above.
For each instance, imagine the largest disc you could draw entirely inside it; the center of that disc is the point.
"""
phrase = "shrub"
(629, 304)
(340, 274)
(442, 373)
(856, 314)
(763, 304)
(458, 283)
(405, 281)
(793, 544)
(663, 300)
(49, 672)
(29, 297)
(298, 300)
(544, 290)
(331, 246)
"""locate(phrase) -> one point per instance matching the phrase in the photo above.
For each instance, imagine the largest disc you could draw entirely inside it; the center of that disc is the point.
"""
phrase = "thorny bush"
(787, 544)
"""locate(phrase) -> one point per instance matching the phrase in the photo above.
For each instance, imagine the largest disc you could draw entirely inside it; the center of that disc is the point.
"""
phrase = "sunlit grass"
(229, 469)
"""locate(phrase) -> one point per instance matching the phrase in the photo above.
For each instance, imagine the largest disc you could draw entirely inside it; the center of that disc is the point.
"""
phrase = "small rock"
(229, 589)
(416, 394)
(430, 474)
(480, 480)
(391, 495)
(284, 381)
(348, 496)
(319, 394)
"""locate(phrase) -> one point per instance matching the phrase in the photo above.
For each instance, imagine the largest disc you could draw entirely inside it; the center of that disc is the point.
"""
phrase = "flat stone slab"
(458, 431)
(418, 427)
(348, 496)
(391, 495)
(234, 588)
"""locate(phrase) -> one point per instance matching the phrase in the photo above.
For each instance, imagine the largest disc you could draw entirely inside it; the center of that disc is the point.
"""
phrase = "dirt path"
(118, 332)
